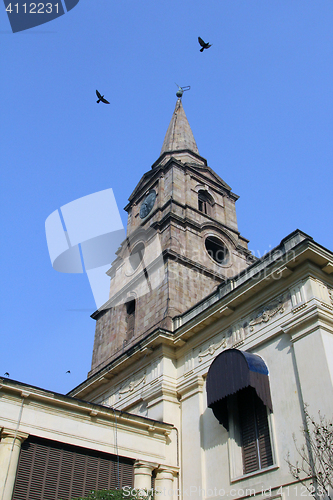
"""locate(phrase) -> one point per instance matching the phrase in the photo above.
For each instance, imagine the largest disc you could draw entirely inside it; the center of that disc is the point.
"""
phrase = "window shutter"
(127, 474)
(48, 470)
(248, 432)
(52, 474)
(256, 445)
(264, 443)
(66, 472)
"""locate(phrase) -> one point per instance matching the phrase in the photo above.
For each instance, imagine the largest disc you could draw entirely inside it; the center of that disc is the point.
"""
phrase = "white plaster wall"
(328, 347)
(214, 441)
(314, 372)
(192, 456)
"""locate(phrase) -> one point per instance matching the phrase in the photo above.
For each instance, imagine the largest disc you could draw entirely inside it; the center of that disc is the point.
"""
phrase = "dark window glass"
(130, 310)
(205, 202)
(217, 250)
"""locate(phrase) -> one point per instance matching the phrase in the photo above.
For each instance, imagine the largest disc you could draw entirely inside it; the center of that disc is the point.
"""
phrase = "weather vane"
(181, 90)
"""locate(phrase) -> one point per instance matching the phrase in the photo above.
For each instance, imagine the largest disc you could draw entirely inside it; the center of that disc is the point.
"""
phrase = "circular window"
(137, 255)
(217, 250)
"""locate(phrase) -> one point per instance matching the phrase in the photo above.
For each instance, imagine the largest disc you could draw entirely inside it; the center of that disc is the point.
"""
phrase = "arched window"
(239, 395)
(217, 250)
(205, 202)
(136, 256)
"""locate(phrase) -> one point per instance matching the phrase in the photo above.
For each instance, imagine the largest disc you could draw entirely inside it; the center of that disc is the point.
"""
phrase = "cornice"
(62, 402)
(176, 257)
(187, 221)
(307, 320)
(191, 386)
(155, 339)
(197, 170)
(173, 159)
(164, 389)
(279, 263)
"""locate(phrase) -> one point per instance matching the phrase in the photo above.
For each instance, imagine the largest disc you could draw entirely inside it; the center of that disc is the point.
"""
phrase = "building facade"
(203, 359)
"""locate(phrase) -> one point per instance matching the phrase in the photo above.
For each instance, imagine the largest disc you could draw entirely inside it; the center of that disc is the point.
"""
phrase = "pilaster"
(164, 484)
(10, 446)
(142, 475)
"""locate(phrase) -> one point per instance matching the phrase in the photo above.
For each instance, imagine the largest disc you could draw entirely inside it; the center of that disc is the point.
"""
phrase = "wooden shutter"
(248, 431)
(254, 429)
(48, 470)
(264, 442)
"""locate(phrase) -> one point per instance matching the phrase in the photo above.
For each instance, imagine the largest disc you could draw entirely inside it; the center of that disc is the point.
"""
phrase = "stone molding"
(142, 464)
(162, 390)
(266, 315)
(132, 385)
(7, 433)
(212, 348)
(190, 387)
(168, 469)
(330, 293)
(307, 321)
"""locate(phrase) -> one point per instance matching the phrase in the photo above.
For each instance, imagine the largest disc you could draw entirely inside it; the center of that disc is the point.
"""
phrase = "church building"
(204, 356)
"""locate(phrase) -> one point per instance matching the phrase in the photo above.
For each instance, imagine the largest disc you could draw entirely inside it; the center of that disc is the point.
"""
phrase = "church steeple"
(182, 242)
(179, 135)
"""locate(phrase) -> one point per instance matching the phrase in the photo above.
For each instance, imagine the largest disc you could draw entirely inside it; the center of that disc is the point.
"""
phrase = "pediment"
(211, 175)
(142, 182)
(202, 170)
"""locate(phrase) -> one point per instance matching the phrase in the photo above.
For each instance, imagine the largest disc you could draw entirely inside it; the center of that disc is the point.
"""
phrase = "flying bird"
(101, 98)
(6, 374)
(203, 44)
(68, 371)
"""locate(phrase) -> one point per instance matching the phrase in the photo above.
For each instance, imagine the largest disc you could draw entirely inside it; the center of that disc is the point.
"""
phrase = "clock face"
(147, 204)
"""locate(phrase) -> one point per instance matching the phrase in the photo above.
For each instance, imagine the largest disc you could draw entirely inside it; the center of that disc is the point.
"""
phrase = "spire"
(179, 135)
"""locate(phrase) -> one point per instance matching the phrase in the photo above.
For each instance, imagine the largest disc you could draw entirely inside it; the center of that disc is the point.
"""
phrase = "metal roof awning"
(231, 371)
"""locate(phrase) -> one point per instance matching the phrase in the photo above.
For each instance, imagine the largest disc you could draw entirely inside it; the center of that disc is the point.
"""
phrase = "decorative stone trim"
(190, 387)
(266, 315)
(330, 293)
(132, 385)
(11, 433)
(298, 308)
(211, 349)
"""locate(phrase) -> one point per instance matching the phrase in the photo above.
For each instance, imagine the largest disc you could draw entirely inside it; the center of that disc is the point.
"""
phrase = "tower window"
(136, 256)
(217, 250)
(205, 202)
(130, 310)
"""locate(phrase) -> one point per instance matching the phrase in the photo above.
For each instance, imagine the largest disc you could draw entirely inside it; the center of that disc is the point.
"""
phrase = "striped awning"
(232, 371)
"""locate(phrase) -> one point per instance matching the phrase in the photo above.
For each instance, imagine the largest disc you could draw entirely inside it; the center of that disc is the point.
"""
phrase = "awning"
(231, 371)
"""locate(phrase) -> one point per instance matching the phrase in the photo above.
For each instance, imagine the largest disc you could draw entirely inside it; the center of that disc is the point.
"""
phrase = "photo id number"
(33, 8)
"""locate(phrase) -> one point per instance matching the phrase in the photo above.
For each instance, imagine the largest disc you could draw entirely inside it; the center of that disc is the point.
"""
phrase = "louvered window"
(48, 470)
(254, 431)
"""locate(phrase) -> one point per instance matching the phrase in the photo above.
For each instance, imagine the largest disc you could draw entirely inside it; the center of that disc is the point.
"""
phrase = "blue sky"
(260, 108)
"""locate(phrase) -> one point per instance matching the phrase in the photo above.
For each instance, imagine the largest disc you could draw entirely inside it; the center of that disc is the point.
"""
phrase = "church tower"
(182, 242)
